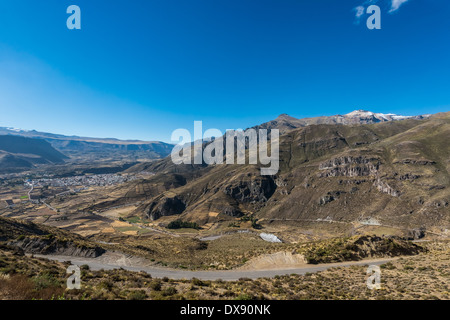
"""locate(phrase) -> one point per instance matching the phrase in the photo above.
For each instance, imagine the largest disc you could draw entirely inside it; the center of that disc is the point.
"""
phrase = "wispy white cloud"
(361, 10)
(359, 13)
(396, 4)
(393, 6)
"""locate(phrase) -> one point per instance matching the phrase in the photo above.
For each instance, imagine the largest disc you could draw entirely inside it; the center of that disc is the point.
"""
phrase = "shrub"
(197, 282)
(137, 295)
(155, 285)
(388, 266)
(45, 280)
(178, 224)
(170, 291)
(256, 225)
(107, 285)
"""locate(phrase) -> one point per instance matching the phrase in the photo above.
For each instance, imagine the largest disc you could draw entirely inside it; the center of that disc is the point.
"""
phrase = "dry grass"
(425, 276)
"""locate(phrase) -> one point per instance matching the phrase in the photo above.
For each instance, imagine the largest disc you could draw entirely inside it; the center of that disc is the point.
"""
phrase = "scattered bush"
(197, 282)
(155, 285)
(179, 224)
(137, 295)
(170, 291)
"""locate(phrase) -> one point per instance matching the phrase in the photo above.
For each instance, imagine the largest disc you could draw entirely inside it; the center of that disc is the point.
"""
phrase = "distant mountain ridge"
(20, 153)
(286, 123)
(85, 148)
(47, 135)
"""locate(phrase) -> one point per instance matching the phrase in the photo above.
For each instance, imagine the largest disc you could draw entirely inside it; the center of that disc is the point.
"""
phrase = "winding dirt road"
(228, 275)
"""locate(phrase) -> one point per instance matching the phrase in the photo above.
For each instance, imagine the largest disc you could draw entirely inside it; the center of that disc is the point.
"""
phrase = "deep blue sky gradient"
(140, 69)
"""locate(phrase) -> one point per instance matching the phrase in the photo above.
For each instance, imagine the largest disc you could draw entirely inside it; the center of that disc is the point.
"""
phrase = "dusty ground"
(275, 260)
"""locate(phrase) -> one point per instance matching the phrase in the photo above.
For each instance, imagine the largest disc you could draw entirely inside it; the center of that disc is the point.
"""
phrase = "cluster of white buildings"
(86, 181)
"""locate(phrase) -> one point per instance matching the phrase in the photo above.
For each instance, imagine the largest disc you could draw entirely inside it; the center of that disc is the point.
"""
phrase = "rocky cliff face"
(230, 197)
(360, 247)
(41, 239)
(165, 207)
(37, 245)
(384, 187)
(350, 167)
(251, 191)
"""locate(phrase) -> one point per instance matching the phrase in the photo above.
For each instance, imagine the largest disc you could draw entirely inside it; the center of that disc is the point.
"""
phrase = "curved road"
(228, 275)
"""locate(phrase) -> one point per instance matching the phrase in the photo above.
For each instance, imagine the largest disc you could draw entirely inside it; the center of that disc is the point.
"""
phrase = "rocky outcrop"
(384, 187)
(49, 245)
(281, 186)
(340, 161)
(232, 211)
(349, 167)
(416, 234)
(422, 162)
(165, 207)
(329, 197)
(254, 192)
(325, 199)
(357, 248)
(257, 190)
(407, 176)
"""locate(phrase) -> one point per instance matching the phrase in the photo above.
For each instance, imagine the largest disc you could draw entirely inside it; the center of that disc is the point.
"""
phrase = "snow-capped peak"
(359, 113)
(380, 117)
(17, 130)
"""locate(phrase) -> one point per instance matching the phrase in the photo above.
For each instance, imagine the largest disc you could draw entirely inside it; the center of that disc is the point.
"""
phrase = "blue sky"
(141, 69)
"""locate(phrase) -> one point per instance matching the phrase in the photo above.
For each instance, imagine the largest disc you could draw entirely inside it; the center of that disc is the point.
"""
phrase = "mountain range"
(21, 153)
(286, 123)
(336, 174)
(82, 149)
